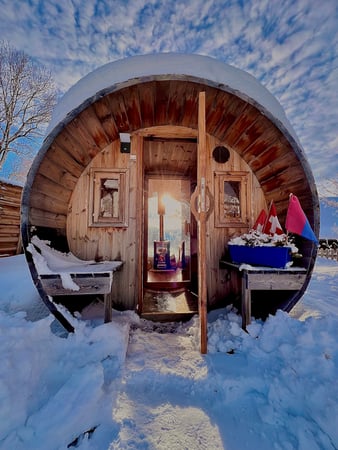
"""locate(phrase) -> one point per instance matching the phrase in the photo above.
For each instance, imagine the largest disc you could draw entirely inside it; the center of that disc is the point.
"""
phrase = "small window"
(108, 198)
(221, 154)
(231, 190)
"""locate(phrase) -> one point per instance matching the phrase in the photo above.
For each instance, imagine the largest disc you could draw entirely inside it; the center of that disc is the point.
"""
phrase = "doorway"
(169, 229)
(170, 235)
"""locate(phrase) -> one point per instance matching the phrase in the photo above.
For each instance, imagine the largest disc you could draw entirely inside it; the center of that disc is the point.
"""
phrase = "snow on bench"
(65, 274)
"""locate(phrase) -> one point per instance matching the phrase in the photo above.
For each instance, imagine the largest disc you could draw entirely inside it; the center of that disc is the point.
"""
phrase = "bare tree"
(27, 98)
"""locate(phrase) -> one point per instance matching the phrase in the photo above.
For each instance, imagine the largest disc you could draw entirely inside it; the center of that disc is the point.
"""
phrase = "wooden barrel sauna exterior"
(154, 100)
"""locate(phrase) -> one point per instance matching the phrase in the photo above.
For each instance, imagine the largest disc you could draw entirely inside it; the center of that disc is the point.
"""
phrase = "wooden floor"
(165, 276)
(169, 306)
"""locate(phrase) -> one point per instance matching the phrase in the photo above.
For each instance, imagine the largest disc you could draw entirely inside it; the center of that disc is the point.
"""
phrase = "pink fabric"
(296, 220)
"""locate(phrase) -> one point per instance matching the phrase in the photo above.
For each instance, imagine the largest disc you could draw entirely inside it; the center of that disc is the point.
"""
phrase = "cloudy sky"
(291, 46)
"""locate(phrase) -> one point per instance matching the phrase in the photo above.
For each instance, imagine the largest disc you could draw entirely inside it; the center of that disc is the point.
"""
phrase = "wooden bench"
(66, 275)
(265, 279)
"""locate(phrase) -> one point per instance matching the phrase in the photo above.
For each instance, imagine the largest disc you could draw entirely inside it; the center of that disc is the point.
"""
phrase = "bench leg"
(246, 304)
(107, 308)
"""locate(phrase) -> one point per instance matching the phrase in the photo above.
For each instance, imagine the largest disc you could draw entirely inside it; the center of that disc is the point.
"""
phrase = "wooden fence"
(328, 248)
(10, 203)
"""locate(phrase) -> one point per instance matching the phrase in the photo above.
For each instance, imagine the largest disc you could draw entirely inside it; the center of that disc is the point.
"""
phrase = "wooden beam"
(137, 152)
(201, 183)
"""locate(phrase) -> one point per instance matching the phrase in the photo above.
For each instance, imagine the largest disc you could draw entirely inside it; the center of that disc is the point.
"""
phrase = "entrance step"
(169, 306)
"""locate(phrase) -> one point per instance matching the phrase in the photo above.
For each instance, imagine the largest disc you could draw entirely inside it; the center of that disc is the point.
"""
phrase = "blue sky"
(291, 46)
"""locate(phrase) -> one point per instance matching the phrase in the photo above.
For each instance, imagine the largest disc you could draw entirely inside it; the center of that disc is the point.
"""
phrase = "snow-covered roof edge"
(11, 182)
(198, 66)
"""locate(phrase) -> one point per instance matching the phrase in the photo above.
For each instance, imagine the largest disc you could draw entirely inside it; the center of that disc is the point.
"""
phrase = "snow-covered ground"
(132, 384)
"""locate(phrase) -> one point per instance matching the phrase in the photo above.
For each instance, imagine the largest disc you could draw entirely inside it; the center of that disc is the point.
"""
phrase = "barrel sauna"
(116, 179)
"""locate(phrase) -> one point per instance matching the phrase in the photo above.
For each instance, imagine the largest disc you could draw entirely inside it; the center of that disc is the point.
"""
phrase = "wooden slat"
(88, 283)
(247, 118)
(147, 104)
(79, 131)
(57, 174)
(234, 109)
(9, 238)
(190, 107)
(118, 109)
(161, 103)
(280, 281)
(176, 102)
(69, 143)
(10, 194)
(132, 105)
(282, 192)
(61, 157)
(45, 202)
(282, 180)
(43, 185)
(273, 160)
(10, 211)
(257, 137)
(7, 251)
(169, 132)
(104, 115)
(8, 201)
(214, 114)
(8, 230)
(10, 190)
(93, 128)
(5, 220)
(47, 219)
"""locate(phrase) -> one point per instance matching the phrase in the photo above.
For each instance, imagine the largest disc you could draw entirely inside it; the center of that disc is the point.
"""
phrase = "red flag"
(261, 219)
(272, 225)
(297, 222)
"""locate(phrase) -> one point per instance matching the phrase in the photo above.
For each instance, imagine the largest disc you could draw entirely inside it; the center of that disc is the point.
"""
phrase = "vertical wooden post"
(107, 308)
(137, 152)
(201, 183)
(246, 302)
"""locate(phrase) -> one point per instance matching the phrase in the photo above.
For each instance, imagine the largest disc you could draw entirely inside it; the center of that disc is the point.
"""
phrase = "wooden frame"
(108, 198)
(234, 212)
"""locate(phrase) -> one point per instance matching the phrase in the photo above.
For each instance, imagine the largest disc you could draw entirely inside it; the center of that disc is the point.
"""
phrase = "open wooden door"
(201, 206)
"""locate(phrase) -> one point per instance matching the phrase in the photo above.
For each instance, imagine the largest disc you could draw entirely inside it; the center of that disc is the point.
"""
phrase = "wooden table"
(265, 279)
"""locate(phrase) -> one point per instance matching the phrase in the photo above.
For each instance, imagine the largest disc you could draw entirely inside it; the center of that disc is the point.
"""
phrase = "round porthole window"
(221, 154)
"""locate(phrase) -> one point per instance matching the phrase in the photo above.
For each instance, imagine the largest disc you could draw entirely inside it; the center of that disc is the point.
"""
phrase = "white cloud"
(290, 46)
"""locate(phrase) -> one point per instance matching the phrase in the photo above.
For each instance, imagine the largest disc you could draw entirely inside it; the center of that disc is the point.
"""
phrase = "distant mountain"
(329, 217)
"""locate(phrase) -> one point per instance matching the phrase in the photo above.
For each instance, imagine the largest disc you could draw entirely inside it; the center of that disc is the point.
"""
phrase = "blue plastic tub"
(276, 257)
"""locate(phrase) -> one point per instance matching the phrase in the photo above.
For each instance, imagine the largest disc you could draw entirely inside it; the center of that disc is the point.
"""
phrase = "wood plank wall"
(219, 285)
(10, 204)
(113, 243)
(107, 243)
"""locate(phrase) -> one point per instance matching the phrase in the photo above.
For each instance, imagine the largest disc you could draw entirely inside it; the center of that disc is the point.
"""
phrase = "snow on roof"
(198, 66)
(10, 182)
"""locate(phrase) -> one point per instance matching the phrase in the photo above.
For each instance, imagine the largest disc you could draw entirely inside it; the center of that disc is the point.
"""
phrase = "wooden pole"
(137, 153)
(202, 210)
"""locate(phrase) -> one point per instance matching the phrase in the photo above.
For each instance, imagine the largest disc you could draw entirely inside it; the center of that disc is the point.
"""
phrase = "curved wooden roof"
(238, 118)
